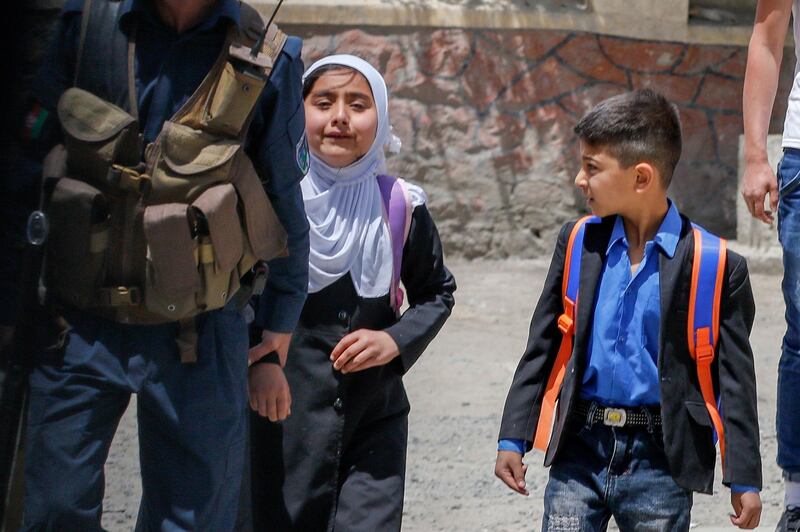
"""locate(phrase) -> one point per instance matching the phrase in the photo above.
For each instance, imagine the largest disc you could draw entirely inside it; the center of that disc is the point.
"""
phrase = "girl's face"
(341, 119)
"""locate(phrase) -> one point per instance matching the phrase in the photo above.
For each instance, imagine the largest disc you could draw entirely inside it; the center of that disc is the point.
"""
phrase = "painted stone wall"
(486, 120)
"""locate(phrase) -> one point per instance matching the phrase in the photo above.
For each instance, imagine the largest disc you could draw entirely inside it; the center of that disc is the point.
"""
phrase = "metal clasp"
(614, 417)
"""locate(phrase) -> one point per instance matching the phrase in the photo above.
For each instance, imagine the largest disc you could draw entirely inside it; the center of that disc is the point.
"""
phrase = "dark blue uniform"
(191, 417)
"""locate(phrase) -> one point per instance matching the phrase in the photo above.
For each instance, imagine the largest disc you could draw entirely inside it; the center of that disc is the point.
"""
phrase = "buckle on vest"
(128, 179)
(614, 417)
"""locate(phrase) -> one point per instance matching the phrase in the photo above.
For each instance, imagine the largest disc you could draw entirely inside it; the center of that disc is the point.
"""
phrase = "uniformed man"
(190, 380)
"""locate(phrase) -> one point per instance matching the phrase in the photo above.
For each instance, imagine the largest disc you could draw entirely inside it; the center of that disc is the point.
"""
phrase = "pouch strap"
(128, 179)
(186, 340)
(103, 66)
(85, 16)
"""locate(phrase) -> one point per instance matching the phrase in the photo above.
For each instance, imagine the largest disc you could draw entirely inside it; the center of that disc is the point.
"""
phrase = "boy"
(631, 436)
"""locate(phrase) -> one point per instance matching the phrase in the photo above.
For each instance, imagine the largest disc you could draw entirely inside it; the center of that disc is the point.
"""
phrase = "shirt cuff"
(518, 446)
(741, 488)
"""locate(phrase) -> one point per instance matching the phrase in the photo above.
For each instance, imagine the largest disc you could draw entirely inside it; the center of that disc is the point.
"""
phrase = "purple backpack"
(397, 213)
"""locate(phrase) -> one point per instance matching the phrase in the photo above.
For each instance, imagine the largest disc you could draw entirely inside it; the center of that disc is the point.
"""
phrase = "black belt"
(592, 412)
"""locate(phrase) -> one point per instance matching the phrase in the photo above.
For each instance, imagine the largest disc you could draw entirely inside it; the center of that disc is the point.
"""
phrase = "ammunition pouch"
(97, 135)
(164, 238)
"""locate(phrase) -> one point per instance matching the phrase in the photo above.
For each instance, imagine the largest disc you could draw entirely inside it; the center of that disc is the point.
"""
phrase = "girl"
(338, 462)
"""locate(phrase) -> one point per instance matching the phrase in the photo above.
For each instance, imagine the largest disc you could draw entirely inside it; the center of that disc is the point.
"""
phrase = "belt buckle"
(614, 417)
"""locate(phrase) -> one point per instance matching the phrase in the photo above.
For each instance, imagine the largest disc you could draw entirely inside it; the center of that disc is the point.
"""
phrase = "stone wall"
(486, 120)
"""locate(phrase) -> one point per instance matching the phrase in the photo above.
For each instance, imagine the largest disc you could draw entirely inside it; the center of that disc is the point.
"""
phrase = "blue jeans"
(191, 424)
(622, 472)
(788, 415)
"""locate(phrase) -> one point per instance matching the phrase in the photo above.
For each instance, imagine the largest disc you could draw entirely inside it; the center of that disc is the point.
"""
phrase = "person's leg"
(372, 477)
(788, 416)
(295, 463)
(192, 427)
(574, 498)
(75, 406)
(642, 494)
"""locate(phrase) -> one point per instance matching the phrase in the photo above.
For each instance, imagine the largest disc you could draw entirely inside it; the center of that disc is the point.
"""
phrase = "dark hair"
(636, 126)
(312, 78)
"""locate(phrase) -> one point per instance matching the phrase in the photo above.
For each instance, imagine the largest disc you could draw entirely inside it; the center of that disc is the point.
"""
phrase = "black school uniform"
(338, 461)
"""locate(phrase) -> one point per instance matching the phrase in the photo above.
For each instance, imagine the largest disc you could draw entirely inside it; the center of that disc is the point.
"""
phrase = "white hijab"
(344, 207)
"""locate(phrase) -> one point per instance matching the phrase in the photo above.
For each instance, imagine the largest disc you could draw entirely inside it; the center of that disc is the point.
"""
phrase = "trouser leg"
(788, 415)
(192, 429)
(574, 498)
(75, 407)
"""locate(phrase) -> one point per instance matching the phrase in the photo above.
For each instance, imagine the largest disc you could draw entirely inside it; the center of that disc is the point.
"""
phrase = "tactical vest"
(169, 235)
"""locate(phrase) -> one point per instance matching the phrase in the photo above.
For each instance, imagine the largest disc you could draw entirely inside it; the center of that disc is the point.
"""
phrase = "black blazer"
(687, 426)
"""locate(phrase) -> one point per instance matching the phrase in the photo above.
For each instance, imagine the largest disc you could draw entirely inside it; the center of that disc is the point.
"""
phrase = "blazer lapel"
(669, 277)
(595, 244)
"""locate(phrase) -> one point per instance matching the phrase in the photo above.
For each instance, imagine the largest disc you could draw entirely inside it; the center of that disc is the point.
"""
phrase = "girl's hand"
(269, 392)
(270, 341)
(363, 349)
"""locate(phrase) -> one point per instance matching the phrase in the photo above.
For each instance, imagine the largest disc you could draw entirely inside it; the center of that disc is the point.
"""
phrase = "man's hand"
(746, 509)
(269, 392)
(363, 349)
(510, 469)
(758, 181)
(271, 341)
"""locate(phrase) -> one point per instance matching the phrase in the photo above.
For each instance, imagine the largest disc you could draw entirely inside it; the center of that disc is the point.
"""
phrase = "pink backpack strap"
(397, 210)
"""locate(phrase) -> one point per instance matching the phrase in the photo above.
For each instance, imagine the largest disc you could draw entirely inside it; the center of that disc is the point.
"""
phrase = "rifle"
(15, 363)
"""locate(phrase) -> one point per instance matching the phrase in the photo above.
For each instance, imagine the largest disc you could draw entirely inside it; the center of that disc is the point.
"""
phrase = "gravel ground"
(457, 391)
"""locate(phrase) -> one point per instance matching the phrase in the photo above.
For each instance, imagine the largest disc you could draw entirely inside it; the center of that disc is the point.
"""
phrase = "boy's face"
(608, 188)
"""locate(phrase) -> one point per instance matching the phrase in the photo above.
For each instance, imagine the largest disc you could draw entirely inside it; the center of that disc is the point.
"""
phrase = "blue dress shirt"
(169, 66)
(621, 361)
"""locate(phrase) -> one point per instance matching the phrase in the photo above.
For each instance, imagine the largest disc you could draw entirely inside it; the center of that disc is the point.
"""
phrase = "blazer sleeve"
(429, 286)
(737, 382)
(524, 400)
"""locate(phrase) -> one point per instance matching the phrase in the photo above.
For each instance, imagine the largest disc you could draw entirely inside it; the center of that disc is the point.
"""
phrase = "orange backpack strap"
(566, 324)
(708, 270)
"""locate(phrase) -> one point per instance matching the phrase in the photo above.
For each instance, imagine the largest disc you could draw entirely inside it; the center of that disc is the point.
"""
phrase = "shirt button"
(343, 316)
(338, 404)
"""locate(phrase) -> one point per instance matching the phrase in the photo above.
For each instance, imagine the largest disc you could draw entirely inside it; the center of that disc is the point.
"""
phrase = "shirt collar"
(223, 9)
(666, 238)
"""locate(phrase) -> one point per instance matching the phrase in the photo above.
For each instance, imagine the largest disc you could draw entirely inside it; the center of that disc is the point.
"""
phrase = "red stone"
(443, 52)
(427, 89)
(581, 100)
(698, 139)
(643, 56)
(487, 75)
(316, 47)
(551, 121)
(524, 44)
(403, 113)
(377, 50)
(546, 81)
(700, 59)
(721, 93)
(736, 65)
(583, 54)
(445, 128)
(678, 89)
(501, 130)
(728, 127)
